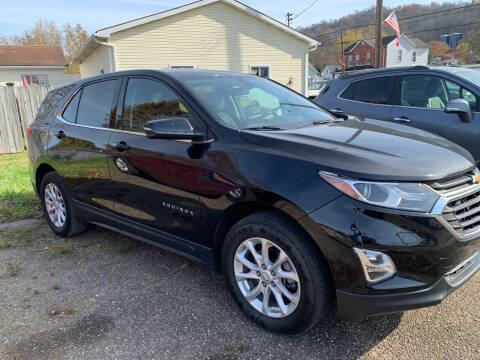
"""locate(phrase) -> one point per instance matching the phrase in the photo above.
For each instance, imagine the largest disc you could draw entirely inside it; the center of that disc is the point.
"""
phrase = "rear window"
(96, 104)
(373, 91)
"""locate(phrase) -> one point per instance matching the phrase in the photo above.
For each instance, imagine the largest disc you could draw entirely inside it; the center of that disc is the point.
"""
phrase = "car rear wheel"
(275, 274)
(57, 207)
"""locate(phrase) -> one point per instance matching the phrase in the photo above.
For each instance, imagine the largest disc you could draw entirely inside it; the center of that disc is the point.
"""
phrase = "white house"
(328, 70)
(206, 34)
(29, 65)
(410, 52)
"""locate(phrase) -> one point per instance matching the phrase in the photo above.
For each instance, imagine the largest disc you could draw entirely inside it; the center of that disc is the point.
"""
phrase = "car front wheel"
(275, 274)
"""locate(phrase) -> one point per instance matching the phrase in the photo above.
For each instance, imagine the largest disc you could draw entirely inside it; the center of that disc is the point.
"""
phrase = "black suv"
(442, 100)
(298, 207)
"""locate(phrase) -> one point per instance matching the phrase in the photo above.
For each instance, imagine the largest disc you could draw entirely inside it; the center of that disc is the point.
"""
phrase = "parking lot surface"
(105, 296)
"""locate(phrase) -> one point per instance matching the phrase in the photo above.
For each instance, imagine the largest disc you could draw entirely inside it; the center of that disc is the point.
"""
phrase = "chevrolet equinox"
(301, 210)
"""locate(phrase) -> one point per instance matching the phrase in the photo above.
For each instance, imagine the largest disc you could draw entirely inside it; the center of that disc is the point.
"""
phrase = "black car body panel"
(185, 196)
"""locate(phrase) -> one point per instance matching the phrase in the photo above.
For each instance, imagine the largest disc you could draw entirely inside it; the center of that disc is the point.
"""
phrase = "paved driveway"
(104, 296)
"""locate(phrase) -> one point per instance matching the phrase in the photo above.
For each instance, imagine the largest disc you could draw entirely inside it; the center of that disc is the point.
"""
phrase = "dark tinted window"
(70, 112)
(374, 91)
(147, 100)
(348, 93)
(96, 104)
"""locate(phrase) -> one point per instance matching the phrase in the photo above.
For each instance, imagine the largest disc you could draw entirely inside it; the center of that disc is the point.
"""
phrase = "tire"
(312, 294)
(71, 224)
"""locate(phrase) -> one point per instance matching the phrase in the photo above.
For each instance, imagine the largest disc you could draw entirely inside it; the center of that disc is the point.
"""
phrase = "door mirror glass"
(460, 107)
(173, 128)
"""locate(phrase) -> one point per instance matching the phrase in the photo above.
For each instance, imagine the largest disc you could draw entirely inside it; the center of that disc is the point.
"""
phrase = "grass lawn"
(17, 198)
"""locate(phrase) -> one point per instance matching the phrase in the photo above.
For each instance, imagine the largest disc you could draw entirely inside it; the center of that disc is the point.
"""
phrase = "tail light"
(29, 132)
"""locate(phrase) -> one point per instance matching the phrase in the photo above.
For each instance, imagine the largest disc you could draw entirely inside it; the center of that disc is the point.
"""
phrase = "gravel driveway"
(102, 296)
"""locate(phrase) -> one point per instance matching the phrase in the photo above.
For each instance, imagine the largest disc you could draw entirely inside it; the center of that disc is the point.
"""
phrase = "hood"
(371, 149)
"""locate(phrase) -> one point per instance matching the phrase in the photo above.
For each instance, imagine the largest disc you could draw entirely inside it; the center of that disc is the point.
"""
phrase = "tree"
(44, 32)
(473, 38)
(75, 37)
(438, 48)
(463, 50)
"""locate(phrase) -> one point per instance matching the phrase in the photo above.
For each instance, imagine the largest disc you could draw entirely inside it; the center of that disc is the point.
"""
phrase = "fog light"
(376, 265)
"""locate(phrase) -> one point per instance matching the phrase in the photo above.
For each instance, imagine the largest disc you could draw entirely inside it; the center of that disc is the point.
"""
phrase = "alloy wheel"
(55, 205)
(267, 277)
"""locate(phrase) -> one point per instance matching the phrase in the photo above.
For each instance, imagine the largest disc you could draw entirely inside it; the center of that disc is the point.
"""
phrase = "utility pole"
(289, 18)
(378, 34)
(341, 45)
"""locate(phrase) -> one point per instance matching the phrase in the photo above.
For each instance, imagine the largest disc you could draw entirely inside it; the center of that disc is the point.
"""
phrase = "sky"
(18, 15)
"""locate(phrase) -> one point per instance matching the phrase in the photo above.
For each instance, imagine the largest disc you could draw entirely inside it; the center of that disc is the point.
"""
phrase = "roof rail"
(421, 67)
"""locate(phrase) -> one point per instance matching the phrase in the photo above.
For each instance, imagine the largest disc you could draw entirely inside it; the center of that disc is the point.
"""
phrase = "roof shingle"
(31, 55)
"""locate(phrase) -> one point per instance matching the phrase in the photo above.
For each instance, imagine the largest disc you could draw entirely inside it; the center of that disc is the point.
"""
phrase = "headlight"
(376, 265)
(402, 196)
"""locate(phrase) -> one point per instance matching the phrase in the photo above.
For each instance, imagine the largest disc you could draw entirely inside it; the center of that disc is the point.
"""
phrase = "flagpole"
(378, 33)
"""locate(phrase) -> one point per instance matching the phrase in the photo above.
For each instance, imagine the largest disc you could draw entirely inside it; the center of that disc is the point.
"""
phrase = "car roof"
(178, 74)
(384, 71)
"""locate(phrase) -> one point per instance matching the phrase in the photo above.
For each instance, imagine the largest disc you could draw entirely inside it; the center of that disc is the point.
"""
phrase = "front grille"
(455, 184)
(462, 209)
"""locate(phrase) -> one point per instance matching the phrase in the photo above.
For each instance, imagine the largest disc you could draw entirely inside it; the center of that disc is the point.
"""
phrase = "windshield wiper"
(300, 105)
(255, 128)
(316, 122)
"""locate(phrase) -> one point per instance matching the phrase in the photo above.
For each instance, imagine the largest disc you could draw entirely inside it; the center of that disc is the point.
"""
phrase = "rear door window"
(372, 91)
(96, 104)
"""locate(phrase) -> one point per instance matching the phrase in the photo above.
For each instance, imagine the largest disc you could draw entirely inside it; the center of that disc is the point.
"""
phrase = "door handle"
(402, 119)
(60, 134)
(122, 146)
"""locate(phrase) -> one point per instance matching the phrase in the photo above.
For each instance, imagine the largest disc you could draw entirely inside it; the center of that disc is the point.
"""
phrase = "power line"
(420, 31)
(307, 8)
(405, 18)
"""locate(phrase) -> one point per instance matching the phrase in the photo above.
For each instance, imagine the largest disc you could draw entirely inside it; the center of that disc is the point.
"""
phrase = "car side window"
(95, 107)
(373, 91)
(471, 98)
(432, 92)
(70, 112)
(424, 91)
(146, 100)
(348, 92)
(456, 91)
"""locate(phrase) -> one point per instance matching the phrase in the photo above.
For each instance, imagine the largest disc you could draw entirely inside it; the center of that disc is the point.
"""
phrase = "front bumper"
(356, 306)
(424, 251)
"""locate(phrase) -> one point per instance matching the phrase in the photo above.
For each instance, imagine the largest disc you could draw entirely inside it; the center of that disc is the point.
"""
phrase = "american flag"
(393, 22)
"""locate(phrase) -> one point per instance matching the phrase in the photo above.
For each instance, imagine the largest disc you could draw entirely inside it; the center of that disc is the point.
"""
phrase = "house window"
(399, 55)
(181, 66)
(260, 70)
(368, 59)
(357, 59)
(349, 60)
(414, 57)
(34, 79)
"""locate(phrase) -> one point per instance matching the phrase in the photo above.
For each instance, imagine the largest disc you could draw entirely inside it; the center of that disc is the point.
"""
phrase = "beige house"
(33, 65)
(207, 34)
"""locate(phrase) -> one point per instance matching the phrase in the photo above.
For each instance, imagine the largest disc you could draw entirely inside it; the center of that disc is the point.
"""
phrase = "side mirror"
(461, 107)
(173, 128)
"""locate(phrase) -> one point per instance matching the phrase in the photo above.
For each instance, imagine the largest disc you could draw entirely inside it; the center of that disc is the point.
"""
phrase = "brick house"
(359, 54)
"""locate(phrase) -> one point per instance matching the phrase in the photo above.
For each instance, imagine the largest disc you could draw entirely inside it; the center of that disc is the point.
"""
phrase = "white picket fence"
(18, 108)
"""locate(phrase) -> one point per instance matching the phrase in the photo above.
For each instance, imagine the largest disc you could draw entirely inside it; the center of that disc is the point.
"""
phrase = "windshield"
(245, 102)
(471, 75)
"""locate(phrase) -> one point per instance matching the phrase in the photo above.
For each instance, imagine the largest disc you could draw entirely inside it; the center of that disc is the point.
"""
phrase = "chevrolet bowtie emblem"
(476, 178)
